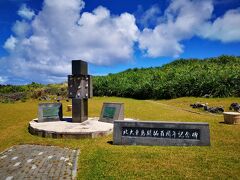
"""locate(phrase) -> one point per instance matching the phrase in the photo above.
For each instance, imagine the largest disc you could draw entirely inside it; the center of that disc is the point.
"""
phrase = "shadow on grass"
(222, 122)
(110, 142)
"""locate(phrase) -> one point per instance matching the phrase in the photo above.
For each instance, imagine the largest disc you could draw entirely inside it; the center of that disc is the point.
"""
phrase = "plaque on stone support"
(112, 111)
(161, 133)
(49, 112)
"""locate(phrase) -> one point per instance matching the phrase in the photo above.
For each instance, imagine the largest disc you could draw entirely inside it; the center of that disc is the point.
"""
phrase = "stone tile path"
(38, 162)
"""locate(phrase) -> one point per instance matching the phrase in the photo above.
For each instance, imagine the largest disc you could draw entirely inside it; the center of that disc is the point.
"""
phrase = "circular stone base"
(90, 128)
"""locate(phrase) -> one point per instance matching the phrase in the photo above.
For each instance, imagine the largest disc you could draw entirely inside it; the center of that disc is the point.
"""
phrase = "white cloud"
(150, 16)
(106, 40)
(21, 28)
(10, 43)
(225, 29)
(25, 12)
(182, 19)
(157, 43)
(59, 33)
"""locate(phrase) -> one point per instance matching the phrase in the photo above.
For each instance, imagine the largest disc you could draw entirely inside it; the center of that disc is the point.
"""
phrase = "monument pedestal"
(79, 110)
(91, 128)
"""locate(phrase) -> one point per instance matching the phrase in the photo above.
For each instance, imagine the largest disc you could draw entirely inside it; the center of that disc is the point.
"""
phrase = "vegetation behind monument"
(218, 77)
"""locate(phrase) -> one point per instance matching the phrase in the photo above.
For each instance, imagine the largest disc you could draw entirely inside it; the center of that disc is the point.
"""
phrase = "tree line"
(216, 77)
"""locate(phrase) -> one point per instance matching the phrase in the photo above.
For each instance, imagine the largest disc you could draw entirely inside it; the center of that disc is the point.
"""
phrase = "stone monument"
(79, 90)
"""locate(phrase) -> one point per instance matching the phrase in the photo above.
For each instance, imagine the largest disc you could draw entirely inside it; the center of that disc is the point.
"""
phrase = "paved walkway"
(38, 162)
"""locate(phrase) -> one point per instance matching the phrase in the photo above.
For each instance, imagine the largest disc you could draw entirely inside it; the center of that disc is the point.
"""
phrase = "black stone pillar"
(79, 89)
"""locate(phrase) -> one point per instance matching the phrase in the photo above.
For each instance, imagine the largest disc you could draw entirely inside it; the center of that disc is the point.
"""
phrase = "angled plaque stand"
(112, 111)
(48, 112)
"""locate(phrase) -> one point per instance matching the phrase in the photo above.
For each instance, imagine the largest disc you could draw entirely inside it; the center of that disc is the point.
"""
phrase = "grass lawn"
(100, 160)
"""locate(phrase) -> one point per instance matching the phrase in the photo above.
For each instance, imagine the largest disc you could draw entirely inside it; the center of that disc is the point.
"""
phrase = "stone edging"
(68, 135)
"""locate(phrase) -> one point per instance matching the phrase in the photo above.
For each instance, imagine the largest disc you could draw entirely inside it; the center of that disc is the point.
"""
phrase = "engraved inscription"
(161, 133)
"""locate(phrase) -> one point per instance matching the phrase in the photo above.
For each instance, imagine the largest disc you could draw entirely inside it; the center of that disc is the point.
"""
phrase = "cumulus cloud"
(225, 29)
(25, 12)
(42, 48)
(10, 43)
(182, 19)
(112, 38)
(21, 28)
(150, 17)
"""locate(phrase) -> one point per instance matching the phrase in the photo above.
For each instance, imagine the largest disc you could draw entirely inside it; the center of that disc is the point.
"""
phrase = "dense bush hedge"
(218, 77)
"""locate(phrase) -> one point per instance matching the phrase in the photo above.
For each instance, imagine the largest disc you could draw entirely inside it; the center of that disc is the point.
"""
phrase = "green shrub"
(13, 97)
(219, 77)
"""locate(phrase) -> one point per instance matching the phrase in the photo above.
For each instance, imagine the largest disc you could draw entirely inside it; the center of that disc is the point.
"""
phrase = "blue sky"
(39, 38)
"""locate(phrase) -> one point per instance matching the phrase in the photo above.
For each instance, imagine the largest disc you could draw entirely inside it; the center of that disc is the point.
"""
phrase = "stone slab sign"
(161, 133)
(38, 162)
(112, 111)
(49, 112)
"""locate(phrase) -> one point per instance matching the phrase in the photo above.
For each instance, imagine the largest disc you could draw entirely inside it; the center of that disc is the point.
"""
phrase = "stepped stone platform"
(91, 128)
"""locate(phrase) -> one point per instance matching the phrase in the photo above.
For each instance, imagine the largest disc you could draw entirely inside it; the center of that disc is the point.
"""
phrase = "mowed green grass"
(99, 159)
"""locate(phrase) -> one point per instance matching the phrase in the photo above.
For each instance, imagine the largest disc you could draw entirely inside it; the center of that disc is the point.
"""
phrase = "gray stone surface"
(161, 133)
(112, 111)
(62, 129)
(38, 162)
(80, 110)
